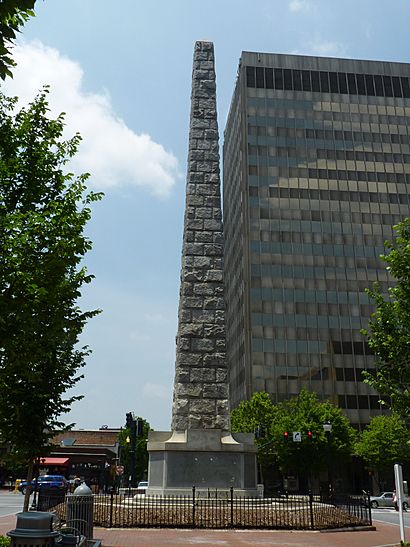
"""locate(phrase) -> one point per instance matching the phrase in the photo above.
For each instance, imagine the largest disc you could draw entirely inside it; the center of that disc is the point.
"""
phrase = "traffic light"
(128, 419)
(310, 435)
(286, 436)
(140, 427)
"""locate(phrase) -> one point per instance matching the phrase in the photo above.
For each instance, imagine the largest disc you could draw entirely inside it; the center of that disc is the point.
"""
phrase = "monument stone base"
(212, 460)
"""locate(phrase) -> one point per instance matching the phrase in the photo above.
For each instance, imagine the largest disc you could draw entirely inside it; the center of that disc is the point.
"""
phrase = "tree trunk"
(30, 473)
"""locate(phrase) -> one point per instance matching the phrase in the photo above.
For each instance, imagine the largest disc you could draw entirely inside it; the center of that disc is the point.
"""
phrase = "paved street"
(10, 503)
(391, 516)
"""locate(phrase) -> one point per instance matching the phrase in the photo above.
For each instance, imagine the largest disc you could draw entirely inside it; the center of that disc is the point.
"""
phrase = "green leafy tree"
(303, 413)
(43, 212)
(389, 328)
(258, 412)
(384, 442)
(249, 415)
(13, 15)
(5, 541)
(141, 453)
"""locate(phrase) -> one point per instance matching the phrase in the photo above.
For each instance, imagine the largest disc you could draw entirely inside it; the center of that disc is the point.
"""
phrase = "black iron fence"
(50, 498)
(299, 512)
(219, 510)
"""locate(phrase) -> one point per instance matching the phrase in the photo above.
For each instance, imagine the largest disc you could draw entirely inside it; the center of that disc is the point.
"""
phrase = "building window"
(250, 76)
(260, 77)
(325, 82)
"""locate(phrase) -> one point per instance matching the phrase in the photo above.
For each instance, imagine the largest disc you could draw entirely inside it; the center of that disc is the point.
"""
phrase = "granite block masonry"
(200, 450)
(201, 386)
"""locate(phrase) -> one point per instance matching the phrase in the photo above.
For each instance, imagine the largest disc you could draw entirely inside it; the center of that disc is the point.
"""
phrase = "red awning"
(54, 461)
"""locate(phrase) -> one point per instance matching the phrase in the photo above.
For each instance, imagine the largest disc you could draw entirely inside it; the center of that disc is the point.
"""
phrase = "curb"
(351, 529)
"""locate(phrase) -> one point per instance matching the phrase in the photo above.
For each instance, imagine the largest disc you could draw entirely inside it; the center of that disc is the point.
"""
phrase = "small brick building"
(88, 454)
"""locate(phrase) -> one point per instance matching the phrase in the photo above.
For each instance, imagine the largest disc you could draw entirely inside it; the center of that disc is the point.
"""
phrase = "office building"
(316, 173)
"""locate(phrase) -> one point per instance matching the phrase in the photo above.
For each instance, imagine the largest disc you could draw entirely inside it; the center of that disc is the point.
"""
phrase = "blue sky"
(122, 73)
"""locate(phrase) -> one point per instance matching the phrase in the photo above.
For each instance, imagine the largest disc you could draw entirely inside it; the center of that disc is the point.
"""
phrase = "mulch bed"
(127, 514)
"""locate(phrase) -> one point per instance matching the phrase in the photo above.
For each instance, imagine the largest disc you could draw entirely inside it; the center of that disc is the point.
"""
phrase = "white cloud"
(298, 5)
(327, 48)
(324, 48)
(156, 390)
(112, 152)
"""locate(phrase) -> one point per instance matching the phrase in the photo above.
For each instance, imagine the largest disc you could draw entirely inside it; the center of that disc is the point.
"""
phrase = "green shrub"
(5, 541)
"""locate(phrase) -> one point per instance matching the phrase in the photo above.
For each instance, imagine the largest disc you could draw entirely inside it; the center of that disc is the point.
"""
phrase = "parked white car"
(385, 499)
(142, 487)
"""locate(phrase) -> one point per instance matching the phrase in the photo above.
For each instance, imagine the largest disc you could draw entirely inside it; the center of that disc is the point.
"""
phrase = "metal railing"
(299, 512)
(48, 499)
(220, 510)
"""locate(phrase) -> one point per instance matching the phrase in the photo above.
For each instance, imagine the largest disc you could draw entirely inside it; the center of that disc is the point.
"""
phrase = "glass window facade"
(316, 173)
(325, 82)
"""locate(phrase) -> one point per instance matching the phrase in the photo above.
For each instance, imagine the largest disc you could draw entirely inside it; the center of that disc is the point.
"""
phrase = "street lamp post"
(327, 426)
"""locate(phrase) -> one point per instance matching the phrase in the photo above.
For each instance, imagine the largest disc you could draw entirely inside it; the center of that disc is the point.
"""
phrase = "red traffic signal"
(310, 435)
(286, 436)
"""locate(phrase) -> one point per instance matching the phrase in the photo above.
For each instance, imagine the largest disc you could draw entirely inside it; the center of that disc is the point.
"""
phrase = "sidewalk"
(384, 535)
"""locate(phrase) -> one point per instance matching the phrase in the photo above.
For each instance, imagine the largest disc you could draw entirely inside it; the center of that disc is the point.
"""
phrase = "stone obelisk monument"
(201, 451)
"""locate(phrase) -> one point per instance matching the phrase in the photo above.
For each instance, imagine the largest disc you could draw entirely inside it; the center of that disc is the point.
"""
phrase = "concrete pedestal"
(212, 460)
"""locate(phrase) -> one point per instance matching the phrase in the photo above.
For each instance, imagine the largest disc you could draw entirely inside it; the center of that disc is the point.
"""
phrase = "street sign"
(297, 437)
(120, 469)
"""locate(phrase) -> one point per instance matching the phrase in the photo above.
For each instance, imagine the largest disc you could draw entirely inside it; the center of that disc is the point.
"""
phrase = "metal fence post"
(111, 508)
(193, 506)
(312, 522)
(369, 508)
(232, 506)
